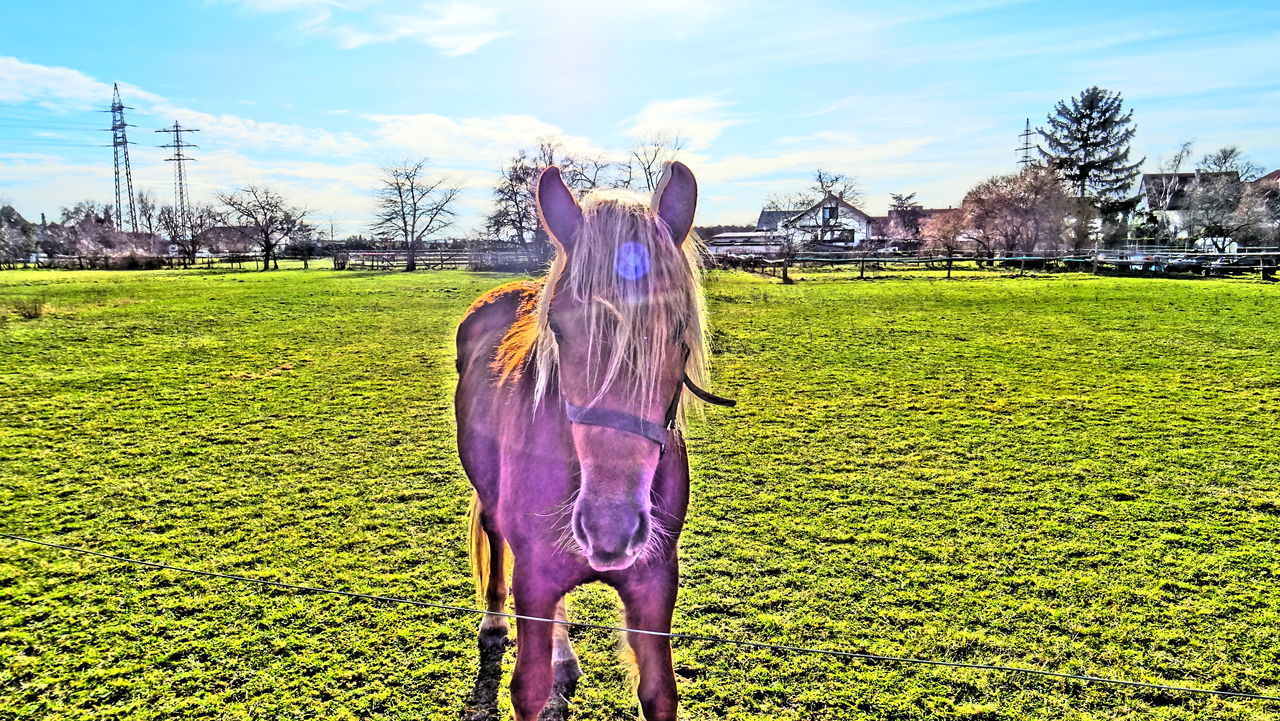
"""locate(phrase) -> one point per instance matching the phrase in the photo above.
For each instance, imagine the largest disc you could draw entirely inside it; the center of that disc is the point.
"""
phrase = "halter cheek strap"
(628, 423)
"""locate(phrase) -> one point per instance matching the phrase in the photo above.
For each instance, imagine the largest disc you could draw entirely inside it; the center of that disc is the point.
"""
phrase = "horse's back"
(487, 320)
(480, 335)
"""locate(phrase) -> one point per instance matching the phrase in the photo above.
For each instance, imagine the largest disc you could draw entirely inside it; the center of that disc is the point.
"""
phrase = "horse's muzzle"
(611, 539)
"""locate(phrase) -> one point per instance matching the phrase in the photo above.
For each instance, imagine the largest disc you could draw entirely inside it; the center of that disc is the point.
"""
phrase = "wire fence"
(674, 636)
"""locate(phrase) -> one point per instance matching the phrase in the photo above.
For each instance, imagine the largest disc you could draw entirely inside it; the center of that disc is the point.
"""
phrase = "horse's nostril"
(641, 537)
(580, 534)
(611, 538)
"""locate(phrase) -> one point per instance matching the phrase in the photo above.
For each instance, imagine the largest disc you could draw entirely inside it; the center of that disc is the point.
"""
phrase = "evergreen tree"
(1088, 143)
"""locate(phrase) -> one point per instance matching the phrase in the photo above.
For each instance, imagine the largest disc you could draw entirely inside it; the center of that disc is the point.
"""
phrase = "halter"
(635, 425)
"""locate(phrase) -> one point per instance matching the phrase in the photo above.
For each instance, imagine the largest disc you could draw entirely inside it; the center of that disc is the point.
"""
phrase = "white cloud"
(454, 28)
(275, 6)
(241, 130)
(58, 88)
(822, 136)
(472, 142)
(699, 120)
(859, 159)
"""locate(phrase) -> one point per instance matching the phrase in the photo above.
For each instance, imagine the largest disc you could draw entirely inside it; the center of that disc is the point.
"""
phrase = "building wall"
(810, 223)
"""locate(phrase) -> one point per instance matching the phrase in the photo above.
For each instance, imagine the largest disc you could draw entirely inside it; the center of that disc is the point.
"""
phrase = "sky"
(314, 96)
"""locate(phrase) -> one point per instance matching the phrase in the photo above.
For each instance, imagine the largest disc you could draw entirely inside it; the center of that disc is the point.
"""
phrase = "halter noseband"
(635, 425)
(622, 421)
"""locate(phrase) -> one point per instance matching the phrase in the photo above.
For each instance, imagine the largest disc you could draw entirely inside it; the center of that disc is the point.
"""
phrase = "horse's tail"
(479, 542)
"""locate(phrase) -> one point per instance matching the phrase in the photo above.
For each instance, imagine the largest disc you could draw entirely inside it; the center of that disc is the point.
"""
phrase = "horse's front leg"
(533, 678)
(494, 627)
(649, 595)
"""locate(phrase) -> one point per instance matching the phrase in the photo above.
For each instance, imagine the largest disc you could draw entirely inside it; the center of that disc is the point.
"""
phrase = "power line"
(120, 149)
(54, 141)
(179, 160)
(675, 636)
(1025, 149)
(34, 124)
(46, 120)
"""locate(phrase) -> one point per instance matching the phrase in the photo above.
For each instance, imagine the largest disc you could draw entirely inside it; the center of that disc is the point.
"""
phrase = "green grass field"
(1069, 472)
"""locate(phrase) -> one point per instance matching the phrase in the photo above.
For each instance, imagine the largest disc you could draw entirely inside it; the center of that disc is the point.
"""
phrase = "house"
(1166, 194)
(896, 227)
(769, 219)
(831, 221)
(1271, 180)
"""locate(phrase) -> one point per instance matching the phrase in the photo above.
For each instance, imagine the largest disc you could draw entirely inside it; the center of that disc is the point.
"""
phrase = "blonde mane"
(633, 284)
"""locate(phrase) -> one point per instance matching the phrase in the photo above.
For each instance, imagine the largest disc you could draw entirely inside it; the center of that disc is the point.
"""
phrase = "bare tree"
(412, 204)
(100, 212)
(304, 243)
(789, 201)
(1218, 209)
(582, 172)
(190, 234)
(263, 217)
(148, 208)
(942, 232)
(842, 186)
(17, 237)
(649, 154)
(90, 232)
(514, 218)
(1018, 213)
(1165, 190)
(1229, 158)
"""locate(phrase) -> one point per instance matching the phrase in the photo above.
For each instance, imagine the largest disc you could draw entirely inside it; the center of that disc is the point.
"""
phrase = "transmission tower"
(1025, 149)
(179, 160)
(120, 147)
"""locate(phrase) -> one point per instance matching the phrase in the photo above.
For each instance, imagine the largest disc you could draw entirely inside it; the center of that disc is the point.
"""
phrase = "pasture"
(1072, 473)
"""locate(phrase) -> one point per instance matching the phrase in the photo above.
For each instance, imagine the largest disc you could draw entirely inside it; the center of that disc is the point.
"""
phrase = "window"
(830, 213)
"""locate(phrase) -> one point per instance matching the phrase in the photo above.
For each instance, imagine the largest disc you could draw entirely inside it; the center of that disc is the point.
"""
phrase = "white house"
(1166, 194)
(830, 221)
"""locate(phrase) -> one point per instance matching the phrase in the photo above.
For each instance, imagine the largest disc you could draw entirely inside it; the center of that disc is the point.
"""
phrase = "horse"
(570, 399)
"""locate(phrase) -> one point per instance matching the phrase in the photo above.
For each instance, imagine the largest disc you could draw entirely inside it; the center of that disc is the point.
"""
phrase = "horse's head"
(624, 319)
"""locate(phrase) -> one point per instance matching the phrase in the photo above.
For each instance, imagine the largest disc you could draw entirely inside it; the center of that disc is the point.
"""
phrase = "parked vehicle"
(1235, 265)
(1184, 264)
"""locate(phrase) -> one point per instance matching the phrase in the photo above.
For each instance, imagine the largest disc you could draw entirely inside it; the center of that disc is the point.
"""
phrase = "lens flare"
(631, 261)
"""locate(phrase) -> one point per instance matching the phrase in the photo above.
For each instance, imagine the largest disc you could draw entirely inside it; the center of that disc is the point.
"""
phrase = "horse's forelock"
(632, 283)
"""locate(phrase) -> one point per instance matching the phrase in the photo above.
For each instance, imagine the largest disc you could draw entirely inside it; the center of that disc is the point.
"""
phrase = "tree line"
(1078, 193)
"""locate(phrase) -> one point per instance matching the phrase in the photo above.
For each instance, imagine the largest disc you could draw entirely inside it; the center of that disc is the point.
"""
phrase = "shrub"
(29, 308)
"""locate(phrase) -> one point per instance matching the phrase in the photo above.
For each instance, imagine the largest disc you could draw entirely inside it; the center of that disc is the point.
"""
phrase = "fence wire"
(674, 636)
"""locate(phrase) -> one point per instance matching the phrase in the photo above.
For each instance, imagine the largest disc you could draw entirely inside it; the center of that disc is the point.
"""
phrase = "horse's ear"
(675, 199)
(558, 209)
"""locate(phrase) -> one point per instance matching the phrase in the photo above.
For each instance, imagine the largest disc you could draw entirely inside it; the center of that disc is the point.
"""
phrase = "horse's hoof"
(558, 706)
(567, 672)
(493, 638)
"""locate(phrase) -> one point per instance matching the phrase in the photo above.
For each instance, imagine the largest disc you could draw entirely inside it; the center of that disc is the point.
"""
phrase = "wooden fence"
(438, 259)
(145, 262)
(1263, 263)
